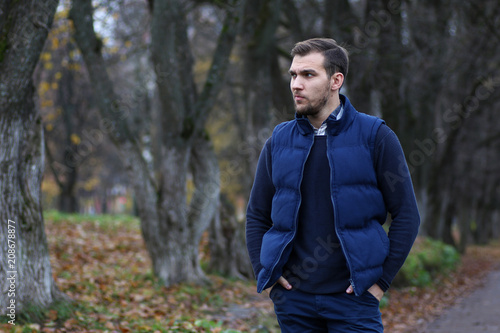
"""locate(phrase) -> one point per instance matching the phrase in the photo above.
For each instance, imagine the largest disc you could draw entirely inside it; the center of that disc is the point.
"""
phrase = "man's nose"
(296, 84)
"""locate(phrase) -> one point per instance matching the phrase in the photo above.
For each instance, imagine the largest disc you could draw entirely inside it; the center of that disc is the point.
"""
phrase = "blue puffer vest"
(358, 204)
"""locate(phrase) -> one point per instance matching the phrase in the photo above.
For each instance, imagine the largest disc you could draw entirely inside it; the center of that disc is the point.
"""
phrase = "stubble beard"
(311, 109)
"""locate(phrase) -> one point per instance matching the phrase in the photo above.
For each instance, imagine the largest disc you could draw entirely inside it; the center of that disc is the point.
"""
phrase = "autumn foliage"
(102, 264)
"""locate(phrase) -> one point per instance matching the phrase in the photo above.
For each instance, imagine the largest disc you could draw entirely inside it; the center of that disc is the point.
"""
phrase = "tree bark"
(227, 255)
(67, 196)
(24, 29)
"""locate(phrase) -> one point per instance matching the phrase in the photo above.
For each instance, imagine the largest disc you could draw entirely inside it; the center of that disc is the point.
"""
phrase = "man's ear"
(336, 81)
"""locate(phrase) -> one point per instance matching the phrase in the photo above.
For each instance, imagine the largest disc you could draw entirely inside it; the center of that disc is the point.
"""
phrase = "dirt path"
(478, 312)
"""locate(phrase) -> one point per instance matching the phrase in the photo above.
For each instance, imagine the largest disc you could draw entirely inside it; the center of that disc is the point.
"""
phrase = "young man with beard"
(324, 184)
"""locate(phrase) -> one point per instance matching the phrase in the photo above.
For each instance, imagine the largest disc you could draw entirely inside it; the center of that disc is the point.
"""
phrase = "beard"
(313, 108)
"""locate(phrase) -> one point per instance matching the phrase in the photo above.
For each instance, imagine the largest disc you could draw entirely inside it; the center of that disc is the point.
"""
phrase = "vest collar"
(333, 126)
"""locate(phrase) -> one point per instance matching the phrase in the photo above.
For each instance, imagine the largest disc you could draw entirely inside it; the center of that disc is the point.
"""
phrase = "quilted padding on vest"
(358, 204)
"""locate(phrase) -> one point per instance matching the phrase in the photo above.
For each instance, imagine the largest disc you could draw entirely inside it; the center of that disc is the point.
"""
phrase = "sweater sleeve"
(395, 183)
(258, 218)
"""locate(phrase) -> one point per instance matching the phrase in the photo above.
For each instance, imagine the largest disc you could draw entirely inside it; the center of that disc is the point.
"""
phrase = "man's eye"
(293, 75)
(309, 75)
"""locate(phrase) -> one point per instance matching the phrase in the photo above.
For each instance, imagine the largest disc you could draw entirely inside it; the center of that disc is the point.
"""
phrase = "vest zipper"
(296, 214)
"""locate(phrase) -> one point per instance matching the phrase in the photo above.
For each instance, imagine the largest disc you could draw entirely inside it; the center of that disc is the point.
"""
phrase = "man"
(324, 184)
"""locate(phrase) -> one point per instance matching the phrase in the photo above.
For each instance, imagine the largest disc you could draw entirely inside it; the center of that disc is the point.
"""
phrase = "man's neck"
(319, 118)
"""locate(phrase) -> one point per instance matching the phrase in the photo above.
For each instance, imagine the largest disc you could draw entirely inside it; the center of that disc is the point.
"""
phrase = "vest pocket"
(384, 238)
(273, 244)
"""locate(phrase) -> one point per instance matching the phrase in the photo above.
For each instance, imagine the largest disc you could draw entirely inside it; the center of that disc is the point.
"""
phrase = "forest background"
(159, 109)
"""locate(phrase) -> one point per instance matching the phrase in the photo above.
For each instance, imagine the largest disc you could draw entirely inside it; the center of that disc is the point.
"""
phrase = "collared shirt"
(337, 113)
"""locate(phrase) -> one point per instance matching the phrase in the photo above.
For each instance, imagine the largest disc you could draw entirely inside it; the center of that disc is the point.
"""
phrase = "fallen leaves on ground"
(107, 272)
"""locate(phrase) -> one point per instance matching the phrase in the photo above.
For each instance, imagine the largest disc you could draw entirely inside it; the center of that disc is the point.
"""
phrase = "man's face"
(309, 83)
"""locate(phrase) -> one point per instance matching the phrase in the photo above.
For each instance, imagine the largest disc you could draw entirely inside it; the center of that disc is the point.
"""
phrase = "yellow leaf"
(89, 185)
(74, 67)
(54, 85)
(44, 87)
(49, 127)
(46, 56)
(58, 76)
(48, 65)
(47, 103)
(75, 139)
(128, 43)
(55, 43)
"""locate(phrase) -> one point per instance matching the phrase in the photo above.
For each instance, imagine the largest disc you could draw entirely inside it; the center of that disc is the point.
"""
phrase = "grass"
(105, 221)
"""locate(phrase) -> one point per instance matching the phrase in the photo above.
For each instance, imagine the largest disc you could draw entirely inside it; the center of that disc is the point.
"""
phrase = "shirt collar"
(337, 113)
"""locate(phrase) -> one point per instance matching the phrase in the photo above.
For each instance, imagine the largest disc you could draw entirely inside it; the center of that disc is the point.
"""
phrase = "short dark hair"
(336, 57)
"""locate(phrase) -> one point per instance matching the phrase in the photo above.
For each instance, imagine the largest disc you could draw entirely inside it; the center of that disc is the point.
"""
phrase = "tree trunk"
(261, 23)
(228, 256)
(464, 229)
(67, 198)
(68, 202)
(343, 25)
(104, 202)
(449, 217)
(22, 235)
(171, 226)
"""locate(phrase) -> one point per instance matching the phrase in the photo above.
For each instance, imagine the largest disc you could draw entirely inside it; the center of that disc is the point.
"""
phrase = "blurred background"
(430, 69)
(158, 110)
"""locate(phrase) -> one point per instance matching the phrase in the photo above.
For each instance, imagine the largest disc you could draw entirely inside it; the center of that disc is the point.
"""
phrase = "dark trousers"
(300, 312)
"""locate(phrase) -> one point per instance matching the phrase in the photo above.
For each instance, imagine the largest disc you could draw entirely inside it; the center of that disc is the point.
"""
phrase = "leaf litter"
(107, 272)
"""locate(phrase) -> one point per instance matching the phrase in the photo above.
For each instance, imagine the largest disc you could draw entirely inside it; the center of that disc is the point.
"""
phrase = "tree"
(81, 161)
(252, 119)
(24, 26)
(172, 223)
(65, 104)
(455, 68)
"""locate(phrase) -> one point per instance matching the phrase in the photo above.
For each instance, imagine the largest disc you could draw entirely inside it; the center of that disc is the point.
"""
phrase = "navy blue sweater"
(317, 263)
